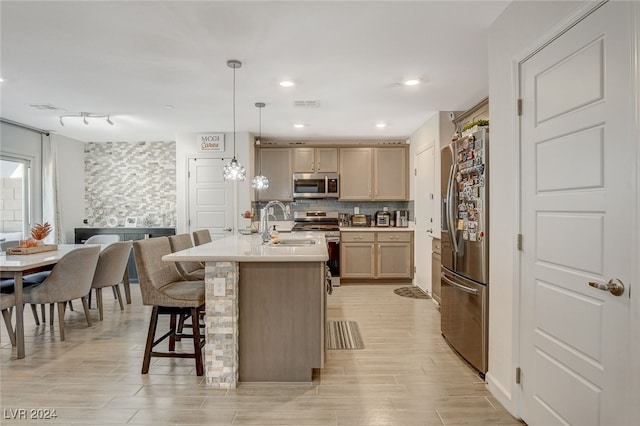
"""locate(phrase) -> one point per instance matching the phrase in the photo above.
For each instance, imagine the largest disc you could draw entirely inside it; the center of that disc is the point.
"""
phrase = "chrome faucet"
(264, 220)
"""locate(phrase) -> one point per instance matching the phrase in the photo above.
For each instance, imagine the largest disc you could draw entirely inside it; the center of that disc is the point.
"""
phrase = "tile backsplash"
(366, 207)
(137, 180)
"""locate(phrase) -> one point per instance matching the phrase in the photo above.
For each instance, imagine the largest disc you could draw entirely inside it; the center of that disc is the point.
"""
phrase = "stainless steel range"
(327, 222)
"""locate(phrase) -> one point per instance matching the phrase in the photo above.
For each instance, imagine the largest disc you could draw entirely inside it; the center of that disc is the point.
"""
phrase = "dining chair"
(201, 236)
(193, 271)
(162, 287)
(103, 239)
(70, 279)
(7, 286)
(112, 263)
(8, 301)
(4, 245)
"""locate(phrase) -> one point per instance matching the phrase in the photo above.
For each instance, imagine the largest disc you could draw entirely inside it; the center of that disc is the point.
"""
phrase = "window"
(15, 204)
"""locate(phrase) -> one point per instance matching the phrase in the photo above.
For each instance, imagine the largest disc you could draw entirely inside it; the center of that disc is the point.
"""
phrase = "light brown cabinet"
(436, 263)
(395, 255)
(379, 174)
(376, 255)
(357, 250)
(355, 173)
(276, 164)
(315, 160)
(390, 174)
(282, 319)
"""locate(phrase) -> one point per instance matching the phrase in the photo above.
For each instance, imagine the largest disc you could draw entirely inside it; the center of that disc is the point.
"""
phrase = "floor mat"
(343, 335)
(413, 292)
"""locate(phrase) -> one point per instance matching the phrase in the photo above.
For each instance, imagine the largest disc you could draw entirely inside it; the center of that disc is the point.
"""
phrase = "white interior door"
(424, 216)
(578, 202)
(211, 199)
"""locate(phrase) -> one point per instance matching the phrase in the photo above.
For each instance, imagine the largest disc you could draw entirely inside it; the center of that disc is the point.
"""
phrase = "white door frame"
(580, 13)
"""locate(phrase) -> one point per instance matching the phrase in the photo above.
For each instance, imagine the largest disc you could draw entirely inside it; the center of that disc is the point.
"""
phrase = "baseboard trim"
(501, 394)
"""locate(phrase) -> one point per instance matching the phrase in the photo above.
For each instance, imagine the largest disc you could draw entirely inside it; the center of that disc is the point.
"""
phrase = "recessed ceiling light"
(381, 125)
(287, 83)
(298, 126)
(412, 82)
(1, 79)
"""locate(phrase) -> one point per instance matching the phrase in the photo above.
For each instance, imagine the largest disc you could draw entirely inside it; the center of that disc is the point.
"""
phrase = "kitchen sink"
(292, 242)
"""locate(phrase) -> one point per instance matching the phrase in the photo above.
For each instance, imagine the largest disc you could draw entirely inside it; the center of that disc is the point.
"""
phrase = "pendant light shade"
(233, 170)
(260, 182)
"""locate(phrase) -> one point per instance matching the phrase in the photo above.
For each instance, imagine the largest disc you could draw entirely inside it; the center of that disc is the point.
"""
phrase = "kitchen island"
(266, 307)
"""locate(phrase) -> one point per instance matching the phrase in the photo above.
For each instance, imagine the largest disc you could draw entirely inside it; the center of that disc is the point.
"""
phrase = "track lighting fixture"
(85, 116)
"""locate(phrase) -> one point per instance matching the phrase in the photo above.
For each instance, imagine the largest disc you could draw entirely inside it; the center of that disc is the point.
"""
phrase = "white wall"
(435, 132)
(426, 136)
(187, 147)
(517, 32)
(71, 192)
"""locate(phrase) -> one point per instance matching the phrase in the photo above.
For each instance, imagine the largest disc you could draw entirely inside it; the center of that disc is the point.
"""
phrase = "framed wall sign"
(131, 222)
(211, 142)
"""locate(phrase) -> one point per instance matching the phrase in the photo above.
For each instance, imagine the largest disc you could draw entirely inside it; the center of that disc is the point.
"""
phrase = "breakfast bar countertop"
(250, 248)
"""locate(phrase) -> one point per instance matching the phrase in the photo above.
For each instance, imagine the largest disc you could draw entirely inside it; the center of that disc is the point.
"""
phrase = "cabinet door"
(356, 260)
(394, 260)
(303, 160)
(435, 276)
(355, 173)
(275, 164)
(326, 160)
(391, 175)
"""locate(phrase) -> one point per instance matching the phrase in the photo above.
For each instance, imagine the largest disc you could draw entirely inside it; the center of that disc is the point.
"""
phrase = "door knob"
(614, 286)
(430, 230)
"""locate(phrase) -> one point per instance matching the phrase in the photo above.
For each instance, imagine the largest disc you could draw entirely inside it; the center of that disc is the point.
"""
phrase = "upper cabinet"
(276, 164)
(356, 173)
(390, 174)
(379, 174)
(315, 160)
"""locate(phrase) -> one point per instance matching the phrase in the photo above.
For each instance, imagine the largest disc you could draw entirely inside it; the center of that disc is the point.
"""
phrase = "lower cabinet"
(376, 255)
(126, 234)
(436, 263)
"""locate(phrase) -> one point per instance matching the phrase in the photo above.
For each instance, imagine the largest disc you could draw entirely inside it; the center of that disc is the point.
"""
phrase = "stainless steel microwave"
(315, 185)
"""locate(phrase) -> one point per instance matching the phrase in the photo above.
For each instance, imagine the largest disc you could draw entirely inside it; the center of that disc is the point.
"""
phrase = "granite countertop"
(249, 248)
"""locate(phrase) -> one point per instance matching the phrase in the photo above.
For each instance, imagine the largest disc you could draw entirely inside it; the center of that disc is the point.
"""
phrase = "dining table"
(16, 266)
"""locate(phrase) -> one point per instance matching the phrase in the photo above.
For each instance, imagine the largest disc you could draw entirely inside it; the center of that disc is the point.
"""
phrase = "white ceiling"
(131, 59)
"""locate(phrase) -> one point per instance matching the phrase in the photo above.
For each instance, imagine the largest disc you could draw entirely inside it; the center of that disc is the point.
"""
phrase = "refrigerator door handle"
(460, 287)
(451, 208)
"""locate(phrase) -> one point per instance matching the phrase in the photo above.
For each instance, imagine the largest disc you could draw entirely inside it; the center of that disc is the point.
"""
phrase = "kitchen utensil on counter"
(383, 218)
(344, 219)
(360, 220)
(401, 218)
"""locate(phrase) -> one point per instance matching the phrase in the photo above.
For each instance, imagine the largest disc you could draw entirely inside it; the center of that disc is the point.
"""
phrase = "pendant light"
(233, 170)
(260, 182)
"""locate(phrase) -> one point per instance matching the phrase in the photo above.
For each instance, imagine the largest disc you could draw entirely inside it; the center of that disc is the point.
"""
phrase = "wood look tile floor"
(406, 375)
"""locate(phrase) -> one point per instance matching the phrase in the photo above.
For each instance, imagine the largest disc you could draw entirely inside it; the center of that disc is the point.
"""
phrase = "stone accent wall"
(125, 179)
(221, 348)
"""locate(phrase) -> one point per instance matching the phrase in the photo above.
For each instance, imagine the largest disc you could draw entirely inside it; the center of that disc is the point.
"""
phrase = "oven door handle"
(459, 286)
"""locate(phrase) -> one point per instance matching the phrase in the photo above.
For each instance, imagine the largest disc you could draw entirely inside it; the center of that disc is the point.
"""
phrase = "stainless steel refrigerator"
(465, 247)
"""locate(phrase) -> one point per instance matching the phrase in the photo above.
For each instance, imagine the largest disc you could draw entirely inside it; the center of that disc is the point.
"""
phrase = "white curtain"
(50, 189)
